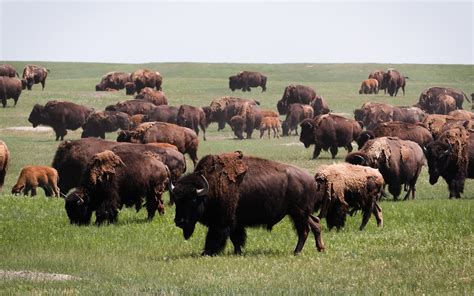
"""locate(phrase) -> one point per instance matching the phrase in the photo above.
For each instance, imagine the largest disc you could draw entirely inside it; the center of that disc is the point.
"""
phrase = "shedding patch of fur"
(102, 166)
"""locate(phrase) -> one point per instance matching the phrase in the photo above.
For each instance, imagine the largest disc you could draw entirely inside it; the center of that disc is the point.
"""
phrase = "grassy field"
(425, 247)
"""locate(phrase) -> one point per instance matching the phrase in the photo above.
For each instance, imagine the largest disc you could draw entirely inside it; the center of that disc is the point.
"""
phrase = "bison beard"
(229, 192)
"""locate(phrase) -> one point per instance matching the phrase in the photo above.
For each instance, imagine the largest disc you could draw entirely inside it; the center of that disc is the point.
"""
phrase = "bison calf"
(270, 123)
(32, 177)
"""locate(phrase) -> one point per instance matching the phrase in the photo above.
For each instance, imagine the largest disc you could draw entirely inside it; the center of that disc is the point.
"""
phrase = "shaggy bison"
(223, 109)
(296, 114)
(143, 78)
(229, 192)
(392, 81)
(113, 80)
(60, 115)
(319, 106)
(4, 159)
(32, 177)
(295, 94)
(163, 113)
(193, 118)
(156, 97)
(33, 74)
(99, 123)
(7, 70)
(132, 107)
(248, 118)
(428, 97)
(246, 79)
(10, 88)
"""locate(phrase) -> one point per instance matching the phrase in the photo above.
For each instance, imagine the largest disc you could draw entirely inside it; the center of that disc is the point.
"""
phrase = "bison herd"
(231, 191)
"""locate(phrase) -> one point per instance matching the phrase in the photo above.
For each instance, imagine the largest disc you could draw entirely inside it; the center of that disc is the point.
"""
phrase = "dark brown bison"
(451, 156)
(143, 78)
(221, 110)
(371, 114)
(296, 114)
(319, 106)
(192, 117)
(113, 80)
(329, 131)
(295, 94)
(378, 75)
(156, 97)
(60, 115)
(161, 132)
(4, 160)
(369, 86)
(248, 119)
(345, 188)
(112, 180)
(399, 161)
(163, 113)
(438, 123)
(7, 70)
(34, 74)
(246, 79)
(417, 133)
(132, 107)
(428, 97)
(392, 81)
(72, 157)
(229, 192)
(99, 123)
(10, 88)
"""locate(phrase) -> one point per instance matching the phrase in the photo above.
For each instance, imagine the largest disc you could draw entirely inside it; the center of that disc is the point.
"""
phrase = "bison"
(235, 82)
(319, 106)
(229, 192)
(156, 97)
(329, 131)
(7, 70)
(143, 78)
(99, 123)
(60, 115)
(4, 160)
(132, 107)
(431, 94)
(462, 114)
(113, 81)
(161, 132)
(248, 119)
(369, 86)
(392, 81)
(345, 188)
(163, 113)
(246, 79)
(221, 110)
(32, 177)
(378, 75)
(296, 113)
(399, 161)
(193, 118)
(10, 88)
(33, 74)
(295, 94)
(270, 123)
(112, 180)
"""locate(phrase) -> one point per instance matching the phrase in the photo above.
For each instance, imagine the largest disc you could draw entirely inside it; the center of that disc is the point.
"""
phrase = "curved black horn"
(362, 159)
(170, 183)
(205, 190)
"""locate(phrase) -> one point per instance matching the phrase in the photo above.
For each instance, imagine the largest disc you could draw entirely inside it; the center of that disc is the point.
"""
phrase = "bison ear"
(239, 154)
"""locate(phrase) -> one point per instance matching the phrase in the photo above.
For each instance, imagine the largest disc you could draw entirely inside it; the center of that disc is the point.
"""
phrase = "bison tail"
(406, 77)
(47, 70)
(466, 97)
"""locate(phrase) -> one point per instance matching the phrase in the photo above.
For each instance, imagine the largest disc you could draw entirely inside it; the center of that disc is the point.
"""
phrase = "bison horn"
(170, 183)
(205, 190)
(362, 159)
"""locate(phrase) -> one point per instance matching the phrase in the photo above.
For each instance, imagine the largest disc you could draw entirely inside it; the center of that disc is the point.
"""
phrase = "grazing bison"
(296, 114)
(392, 81)
(193, 118)
(156, 97)
(112, 180)
(438, 123)
(295, 94)
(160, 132)
(143, 78)
(33, 75)
(417, 133)
(72, 157)
(60, 115)
(163, 113)
(229, 192)
(378, 75)
(113, 81)
(219, 112)
(4, 159)
(451, 156)
(10, 88)
(345, 188)
(246, 79)
(7, 70)
(248, 119)
(369, 86)
(132, 107)
(320, 106)
(430, 95)
(270, 123)
(399, 161)
(32, 177)
(99, 123)
(329, 131)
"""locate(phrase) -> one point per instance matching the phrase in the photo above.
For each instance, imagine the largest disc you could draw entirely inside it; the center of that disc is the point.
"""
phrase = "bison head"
(289, 92)
(124, 136)
(189, 195)
(238, 126)
(17, 188)
(235, 82)
(282, 107)
(364, 137)
(358, 158)
(307, 132)
(437, 154)
(130, 88)
(285, 128)
(38, 116)
(78, 208)
(100, 87)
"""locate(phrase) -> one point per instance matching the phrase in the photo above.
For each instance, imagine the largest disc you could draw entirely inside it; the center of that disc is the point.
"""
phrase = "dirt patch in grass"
(35, 276)
(39, 129)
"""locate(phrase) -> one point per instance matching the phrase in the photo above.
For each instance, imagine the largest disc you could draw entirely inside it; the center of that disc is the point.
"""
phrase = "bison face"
(124, 136)
(285, 129)
(77, 208)
(282, 107)
(37, 116)
(235, 83)
(17, 189)
(130, 88)
(437, 155)
(364, 137)
(189, 195)
(100, 87)
(238, 126)
(307, 132)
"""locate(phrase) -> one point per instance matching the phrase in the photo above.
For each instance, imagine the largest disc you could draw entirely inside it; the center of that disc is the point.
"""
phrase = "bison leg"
(43, 83)
(333, 150)
(315, 225)
(238, 237)
(302, 228)
(262, 131)
(366, 216)
(377, 211)
(215, 241)
(317, 151)
(4, 102)
(33, 191)
(193, 155)
(349, 148)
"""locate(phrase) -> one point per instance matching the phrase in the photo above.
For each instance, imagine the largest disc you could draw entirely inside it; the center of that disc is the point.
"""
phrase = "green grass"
(425, 247)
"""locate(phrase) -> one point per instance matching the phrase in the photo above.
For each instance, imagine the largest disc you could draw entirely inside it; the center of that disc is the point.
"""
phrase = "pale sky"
(430, 32)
